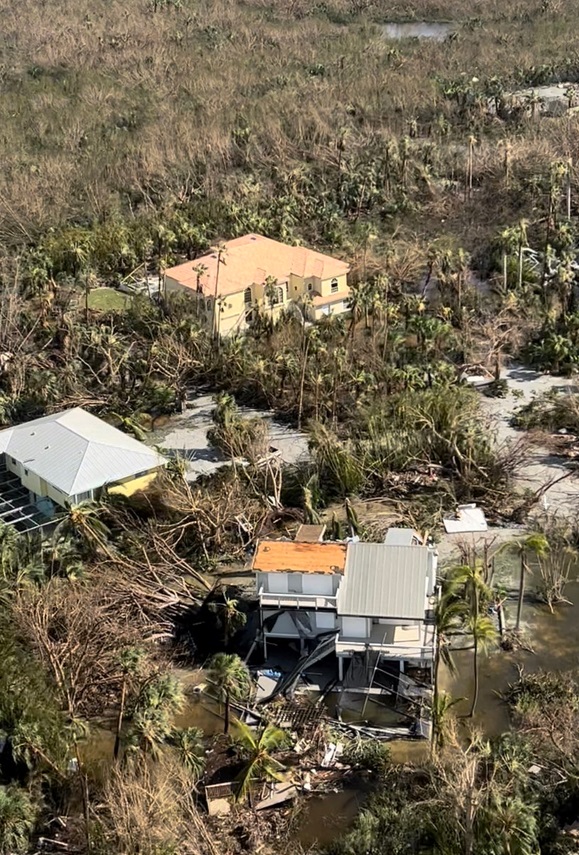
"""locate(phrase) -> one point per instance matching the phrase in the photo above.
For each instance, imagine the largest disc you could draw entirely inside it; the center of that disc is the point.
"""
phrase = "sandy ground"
(186, 435)
(541, 466)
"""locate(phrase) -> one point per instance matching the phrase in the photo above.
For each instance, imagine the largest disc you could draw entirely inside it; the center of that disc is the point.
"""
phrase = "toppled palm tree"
(256, 749)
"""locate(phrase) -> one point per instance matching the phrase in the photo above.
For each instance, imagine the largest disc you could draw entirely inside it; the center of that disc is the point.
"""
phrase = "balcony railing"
(391, 651)
(391, 642)
(297, 601)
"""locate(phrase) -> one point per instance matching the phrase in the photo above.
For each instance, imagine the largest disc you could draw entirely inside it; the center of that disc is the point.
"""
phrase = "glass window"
(247, 297)
(334, 286)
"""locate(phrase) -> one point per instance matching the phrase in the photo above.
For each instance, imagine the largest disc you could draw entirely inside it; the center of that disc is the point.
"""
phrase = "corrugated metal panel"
(289, 556)
(384, 581)
(75, 451)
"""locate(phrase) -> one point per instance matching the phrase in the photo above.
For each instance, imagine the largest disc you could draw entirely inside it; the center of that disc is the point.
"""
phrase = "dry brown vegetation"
(115, 108)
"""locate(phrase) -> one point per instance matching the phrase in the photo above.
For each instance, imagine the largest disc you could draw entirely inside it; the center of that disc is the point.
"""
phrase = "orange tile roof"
(283, 556)
(250, 260)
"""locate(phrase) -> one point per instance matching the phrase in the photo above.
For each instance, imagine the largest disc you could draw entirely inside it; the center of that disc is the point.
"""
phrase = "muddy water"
(554, 639)
(324, 818)
(435, 31)
(201, 712)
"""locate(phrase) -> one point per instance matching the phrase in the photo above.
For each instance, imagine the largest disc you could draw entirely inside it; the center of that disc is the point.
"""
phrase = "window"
(26, 471)
(334, 286)
(247, 298)
(310, 286)
(287, 290)
(276, 296)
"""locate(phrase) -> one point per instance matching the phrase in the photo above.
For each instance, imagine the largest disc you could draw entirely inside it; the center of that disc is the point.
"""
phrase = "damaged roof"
(286, 556)
(384, 581)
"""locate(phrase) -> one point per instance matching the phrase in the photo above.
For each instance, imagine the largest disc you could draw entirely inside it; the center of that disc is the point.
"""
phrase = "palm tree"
(441, 707)
(449, 614)
(130, 661)
(17, 820)
(256, 749)
(512, 824)
(229, 674)
(535, 544)
(484, 634)
(522, 239)
(230, 616)
(220, 252)
(84, 525)
(190, 748)
(159, 701)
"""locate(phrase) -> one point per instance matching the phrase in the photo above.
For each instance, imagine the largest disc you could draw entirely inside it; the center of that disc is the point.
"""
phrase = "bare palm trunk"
(521, 591)
(302, 383)
(435, 721)
(226, 713)
(120, 719)
(476, 678)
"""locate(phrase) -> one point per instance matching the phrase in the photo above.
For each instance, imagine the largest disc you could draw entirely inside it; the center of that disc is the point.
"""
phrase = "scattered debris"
(278, 793)
(220, 798)
(468, 518)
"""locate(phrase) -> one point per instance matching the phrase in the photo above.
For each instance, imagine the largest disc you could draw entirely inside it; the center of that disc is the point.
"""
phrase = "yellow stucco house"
(255, 272)
(70, 457)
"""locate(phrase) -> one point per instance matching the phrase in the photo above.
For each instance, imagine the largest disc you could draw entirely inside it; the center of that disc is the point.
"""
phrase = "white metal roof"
(402, 537)
(384, 581)
(75, 451)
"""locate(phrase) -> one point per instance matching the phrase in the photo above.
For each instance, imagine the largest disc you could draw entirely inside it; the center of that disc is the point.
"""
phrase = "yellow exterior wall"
(297, 286)
(326, 285)
(31, 482)
(232, 313)
(134, 485)
(233, 308)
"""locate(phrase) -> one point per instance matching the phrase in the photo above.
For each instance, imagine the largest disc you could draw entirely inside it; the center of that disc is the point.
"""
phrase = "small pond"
(433, 30)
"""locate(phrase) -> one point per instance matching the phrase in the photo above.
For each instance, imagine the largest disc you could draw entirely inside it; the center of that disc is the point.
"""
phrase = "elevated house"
(377, 598)
(253, 273)
(63, 459)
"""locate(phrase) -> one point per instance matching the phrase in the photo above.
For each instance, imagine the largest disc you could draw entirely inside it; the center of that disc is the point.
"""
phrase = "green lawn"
(107, 300)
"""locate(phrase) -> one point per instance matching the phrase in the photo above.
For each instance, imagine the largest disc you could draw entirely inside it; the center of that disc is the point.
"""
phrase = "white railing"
(297, 601)
(401, 650)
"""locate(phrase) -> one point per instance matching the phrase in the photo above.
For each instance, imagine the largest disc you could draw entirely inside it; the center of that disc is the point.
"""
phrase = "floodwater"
(323, 818)
(554, 640)
(433, 30)
(203, 712)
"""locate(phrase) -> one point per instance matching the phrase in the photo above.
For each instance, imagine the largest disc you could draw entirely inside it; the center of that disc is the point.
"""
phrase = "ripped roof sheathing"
(249, 260)
(282, 556)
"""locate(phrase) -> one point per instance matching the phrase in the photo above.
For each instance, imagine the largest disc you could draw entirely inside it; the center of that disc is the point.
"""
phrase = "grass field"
(107, 300)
